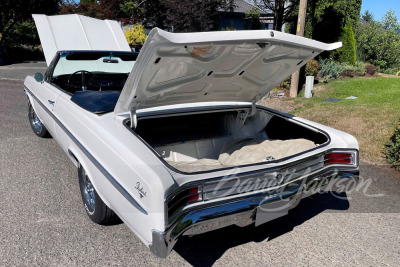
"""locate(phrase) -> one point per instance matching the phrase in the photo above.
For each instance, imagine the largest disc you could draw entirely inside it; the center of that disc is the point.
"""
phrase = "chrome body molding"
(241, 211)
(110, 178)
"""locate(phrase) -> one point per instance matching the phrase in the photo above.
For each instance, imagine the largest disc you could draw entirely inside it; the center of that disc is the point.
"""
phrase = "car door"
(47, 94)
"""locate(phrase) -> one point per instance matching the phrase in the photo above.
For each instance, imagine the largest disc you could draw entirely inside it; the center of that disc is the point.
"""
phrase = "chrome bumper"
(241, 210)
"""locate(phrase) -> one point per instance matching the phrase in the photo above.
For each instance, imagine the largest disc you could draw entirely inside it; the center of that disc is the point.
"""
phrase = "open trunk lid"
(179, 68)
(76, 32)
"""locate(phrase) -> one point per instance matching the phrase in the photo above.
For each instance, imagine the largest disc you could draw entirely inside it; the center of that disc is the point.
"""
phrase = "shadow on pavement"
(206, 249)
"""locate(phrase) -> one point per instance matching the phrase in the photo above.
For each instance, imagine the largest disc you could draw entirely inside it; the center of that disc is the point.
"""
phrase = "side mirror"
(38, 77)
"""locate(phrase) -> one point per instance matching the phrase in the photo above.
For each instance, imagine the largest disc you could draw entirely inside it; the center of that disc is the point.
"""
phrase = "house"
(235, 18)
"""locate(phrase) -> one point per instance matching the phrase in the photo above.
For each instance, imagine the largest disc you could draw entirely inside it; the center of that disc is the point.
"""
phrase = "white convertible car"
(171, 140)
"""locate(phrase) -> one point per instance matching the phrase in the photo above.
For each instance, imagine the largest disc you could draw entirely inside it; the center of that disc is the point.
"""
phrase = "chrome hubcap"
(89, 193)
(35, 121)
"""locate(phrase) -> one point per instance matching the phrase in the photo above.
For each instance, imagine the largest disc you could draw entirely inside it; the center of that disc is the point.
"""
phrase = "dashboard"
(96, 82)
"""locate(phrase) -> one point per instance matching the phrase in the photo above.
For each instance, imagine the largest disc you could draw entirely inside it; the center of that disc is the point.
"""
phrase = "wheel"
(95, 208)
(37, 126)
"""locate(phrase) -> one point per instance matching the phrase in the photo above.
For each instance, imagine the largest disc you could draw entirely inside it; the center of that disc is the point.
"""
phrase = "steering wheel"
(83, 72)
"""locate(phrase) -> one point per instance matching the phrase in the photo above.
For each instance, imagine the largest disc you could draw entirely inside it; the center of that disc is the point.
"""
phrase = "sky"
(380, 7)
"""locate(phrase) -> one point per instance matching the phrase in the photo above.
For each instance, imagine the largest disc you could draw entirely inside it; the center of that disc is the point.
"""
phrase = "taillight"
(339, 158)
(184, 197)
(193, 194)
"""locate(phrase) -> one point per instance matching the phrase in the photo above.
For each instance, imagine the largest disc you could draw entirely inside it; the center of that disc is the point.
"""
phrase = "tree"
(253, 19)
(378, 41)
(150, 13)
(112, 9)
(390, 21)
(347, 53)
(192, 15)
(86, 8)
(327, 18)
(13, 12)
(229, 5)
(282, 10)
(367, 16)
(23, 33)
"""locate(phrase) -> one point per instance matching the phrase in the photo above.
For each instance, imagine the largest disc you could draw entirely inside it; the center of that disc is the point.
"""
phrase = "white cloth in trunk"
(196, 166)
(247, 151)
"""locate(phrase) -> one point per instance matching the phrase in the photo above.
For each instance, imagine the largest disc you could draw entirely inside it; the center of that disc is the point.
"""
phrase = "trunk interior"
(209, 141)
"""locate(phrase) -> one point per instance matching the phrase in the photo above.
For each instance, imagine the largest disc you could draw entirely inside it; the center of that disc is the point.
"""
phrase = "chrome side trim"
(109, 177)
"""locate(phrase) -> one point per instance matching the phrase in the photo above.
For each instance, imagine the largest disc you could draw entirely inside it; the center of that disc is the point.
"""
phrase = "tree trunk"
(279, 22)
(276, 14)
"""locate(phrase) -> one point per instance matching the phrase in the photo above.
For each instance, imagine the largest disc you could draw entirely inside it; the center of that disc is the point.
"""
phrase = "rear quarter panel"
(339, 139)
(124, 157)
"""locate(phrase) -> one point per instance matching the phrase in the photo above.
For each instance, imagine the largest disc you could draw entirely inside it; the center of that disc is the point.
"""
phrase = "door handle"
(51, 102)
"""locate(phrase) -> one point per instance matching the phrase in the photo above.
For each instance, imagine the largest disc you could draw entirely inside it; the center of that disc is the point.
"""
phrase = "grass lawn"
(370, 118)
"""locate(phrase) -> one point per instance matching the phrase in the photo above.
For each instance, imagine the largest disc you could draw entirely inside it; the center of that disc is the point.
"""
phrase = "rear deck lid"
(179, 68)
(76, 32)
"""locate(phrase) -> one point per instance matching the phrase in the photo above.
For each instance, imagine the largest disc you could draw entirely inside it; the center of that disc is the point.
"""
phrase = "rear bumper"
(241, 211)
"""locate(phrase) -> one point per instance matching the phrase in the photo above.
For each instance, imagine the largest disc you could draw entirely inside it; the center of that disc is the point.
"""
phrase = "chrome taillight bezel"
(341, 158)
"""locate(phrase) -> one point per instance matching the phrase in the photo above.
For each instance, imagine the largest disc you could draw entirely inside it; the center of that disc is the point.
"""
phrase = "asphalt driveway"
(20, 70)
(43, 222)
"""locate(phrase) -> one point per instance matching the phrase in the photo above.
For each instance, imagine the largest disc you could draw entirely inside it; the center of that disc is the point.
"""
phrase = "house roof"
(240, 6)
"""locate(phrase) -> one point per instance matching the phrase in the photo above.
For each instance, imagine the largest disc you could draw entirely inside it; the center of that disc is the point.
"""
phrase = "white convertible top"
(77, 32)
(237, 66)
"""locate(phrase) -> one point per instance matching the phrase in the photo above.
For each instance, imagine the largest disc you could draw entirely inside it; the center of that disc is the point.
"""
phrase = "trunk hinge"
(133, 119)
(253, 108)
(242, 117)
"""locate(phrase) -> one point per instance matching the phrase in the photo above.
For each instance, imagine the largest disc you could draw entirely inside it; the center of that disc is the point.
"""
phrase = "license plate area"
(270, 211)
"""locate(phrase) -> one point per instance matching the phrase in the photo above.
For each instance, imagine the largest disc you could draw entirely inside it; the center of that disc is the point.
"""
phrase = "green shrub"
(329, 69)
(353, 71)
(285, 84)
(380, 64)
(347, 54)
(391, 71)
(312, 68)
(361, 68)
(20, 54)
(393, 148)
(371, 69)
(252, 18)
(136, 35)
(398, 73)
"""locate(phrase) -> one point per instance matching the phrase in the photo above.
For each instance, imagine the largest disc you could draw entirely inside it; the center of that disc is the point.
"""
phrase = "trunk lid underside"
(237, 66)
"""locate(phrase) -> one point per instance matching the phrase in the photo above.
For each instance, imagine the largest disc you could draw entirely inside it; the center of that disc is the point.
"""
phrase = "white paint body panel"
(130, 161)
(123, 155)
(77, 32)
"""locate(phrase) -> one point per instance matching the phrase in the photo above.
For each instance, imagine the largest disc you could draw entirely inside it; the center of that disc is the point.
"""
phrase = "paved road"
(43, 222)
(21, 70)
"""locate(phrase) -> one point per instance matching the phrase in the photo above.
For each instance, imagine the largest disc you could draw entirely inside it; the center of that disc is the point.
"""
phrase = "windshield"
(95, 62)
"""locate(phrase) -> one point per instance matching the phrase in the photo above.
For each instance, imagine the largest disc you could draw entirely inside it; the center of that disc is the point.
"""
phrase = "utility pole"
(301, 22)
